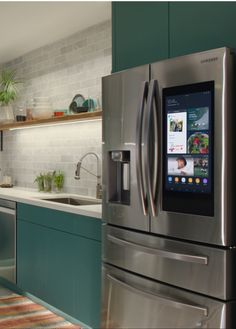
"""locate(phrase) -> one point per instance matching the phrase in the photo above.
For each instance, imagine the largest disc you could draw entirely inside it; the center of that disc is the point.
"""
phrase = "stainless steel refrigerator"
(169, 230)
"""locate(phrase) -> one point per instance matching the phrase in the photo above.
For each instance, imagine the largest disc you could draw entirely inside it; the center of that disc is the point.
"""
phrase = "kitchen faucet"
(79, 166)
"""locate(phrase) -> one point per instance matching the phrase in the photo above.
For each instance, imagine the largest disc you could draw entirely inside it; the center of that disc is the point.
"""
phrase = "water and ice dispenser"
(119, 177)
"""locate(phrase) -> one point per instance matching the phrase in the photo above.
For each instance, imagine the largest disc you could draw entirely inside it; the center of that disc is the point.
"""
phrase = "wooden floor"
(18, 311)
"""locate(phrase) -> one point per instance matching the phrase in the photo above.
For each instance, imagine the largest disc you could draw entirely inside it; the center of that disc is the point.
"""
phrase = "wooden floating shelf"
(50, 121)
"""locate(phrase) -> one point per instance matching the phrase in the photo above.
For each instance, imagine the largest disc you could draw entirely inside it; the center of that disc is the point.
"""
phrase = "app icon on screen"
(170, 179)
(190, 180)
(176, 179)
(205, 180)
(197, 180)
(183, 179)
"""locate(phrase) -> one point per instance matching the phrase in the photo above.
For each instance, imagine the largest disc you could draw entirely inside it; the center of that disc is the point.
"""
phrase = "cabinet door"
(60, 268)
(198, 26)
(139, 33)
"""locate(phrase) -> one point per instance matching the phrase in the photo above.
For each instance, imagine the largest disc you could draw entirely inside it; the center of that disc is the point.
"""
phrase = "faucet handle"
(77, 172)
(99, 191)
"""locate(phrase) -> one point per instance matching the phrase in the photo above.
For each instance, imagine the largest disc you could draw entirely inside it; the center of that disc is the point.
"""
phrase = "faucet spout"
(98, 175)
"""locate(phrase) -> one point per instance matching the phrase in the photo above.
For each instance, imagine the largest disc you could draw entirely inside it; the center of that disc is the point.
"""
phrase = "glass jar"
(20, 113)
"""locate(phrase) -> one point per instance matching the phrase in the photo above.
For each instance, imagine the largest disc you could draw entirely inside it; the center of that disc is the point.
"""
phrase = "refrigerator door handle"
(197, 259)
(151, 182)
(164, 299)
(139, 161)
(156, 145)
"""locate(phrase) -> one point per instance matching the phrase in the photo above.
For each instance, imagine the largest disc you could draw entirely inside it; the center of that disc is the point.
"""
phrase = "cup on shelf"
(20, 113)
(98, 104)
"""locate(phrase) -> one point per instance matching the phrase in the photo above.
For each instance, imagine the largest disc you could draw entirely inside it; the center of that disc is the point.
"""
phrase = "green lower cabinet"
(60, 268)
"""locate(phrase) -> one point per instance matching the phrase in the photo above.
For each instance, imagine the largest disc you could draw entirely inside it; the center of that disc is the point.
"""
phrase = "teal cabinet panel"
(145, 32)
(139, 33)
(72, 223)
(198, 26)
(62, 269)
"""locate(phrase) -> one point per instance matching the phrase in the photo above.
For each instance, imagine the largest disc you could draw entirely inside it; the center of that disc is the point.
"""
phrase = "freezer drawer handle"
(163, 299)
(159, 252)
(139, 160)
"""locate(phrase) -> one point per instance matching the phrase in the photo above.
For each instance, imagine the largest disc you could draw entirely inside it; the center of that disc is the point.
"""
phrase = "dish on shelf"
(59, 113)
(6, 185)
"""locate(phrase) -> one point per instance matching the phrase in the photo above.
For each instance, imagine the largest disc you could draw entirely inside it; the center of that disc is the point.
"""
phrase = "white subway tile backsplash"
(62, 67)
(50, 148)
(59, 71)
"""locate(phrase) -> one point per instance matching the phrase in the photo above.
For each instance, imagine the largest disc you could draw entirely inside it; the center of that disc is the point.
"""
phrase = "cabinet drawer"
(88, 227)
(191, 266)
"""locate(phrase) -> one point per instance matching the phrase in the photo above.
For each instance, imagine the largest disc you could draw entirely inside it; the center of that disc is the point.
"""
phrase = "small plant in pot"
(8, 94)
(58, 180)
(40, 181)
(48, 179)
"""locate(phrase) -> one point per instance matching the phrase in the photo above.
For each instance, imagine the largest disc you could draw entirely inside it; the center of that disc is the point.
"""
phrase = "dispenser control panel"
(119, 177)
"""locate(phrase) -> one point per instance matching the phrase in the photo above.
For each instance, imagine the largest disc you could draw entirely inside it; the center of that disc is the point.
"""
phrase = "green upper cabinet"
(145, 32)
(198, 26)
(139, 33)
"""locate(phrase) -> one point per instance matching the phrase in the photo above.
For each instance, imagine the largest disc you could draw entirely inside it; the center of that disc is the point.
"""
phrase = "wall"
(67, 67)
(28, 152)
(59, 70)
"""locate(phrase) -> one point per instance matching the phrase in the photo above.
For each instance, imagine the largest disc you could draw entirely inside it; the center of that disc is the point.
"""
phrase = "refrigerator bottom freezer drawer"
(130, 301)
(202, 269)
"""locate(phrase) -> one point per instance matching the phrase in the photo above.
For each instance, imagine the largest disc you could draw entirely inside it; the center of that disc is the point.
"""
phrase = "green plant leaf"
(8, 86)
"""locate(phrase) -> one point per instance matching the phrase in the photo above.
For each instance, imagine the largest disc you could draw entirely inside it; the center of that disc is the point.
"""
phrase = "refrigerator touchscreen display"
(188, 138)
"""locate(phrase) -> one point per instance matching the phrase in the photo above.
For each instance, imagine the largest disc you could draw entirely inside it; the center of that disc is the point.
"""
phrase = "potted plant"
(58, 180)
(8, 93)
(48, 179)
(40, 181)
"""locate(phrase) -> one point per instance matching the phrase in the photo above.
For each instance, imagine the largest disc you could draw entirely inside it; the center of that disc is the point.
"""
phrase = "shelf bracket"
(1, 140)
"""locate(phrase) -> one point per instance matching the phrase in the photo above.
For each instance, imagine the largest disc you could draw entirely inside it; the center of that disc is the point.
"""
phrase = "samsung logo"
(209, 60)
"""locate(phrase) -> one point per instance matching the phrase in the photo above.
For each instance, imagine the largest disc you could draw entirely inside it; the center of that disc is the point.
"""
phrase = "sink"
(74, 201)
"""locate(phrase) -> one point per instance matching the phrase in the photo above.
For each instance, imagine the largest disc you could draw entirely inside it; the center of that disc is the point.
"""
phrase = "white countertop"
(32, 197)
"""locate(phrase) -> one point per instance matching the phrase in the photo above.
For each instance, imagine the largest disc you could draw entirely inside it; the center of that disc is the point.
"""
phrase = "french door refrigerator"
(169, 233)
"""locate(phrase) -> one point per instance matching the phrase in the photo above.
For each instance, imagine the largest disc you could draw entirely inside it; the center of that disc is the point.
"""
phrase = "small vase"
(58, 189)
(6, 114)
(47, 185)
(40, 185)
